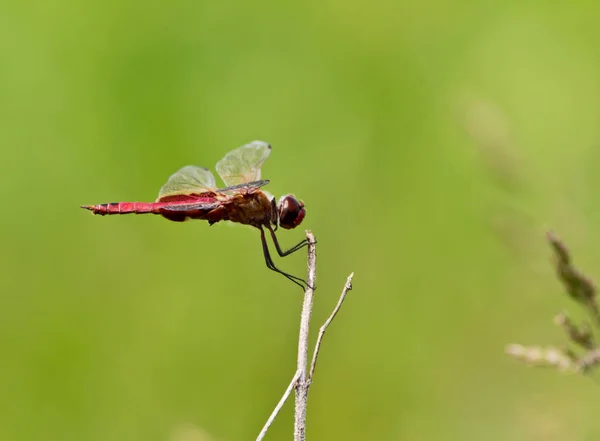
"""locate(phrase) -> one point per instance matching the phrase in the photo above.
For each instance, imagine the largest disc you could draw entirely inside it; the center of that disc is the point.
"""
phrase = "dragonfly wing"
(190, 179)
(204, 206)
(243, 164)
(248, 187)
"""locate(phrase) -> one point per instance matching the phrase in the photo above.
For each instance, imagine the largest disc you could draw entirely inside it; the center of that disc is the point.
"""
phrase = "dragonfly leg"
(269, 261)
(291, 250)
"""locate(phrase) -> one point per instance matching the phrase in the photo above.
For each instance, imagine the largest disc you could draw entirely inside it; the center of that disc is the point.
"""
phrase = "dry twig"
(323, 328)
(302, 384)
(277, 409)
(302, 379)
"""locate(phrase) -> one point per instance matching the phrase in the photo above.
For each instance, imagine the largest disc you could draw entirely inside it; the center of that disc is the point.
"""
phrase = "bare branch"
(302, 385)
(302, 380)
(323, 328)
(277, 409)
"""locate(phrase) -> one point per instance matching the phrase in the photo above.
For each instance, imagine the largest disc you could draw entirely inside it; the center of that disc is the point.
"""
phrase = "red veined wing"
(188, 180)
(242, 165)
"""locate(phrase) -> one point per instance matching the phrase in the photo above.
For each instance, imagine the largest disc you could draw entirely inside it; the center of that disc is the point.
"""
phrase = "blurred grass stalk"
(584, 353)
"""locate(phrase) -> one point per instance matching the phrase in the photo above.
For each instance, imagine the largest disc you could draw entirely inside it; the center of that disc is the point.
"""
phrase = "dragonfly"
(192, 193)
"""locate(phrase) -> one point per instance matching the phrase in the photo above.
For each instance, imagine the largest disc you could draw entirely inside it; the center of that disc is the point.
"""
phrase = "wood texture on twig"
(303, 384)
(347, 287)
(302, 379)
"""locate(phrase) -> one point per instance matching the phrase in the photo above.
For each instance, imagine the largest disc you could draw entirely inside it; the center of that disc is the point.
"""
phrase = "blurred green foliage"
(433, 144)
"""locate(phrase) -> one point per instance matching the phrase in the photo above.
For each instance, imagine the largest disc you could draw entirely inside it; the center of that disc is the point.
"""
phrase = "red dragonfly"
(191, 193)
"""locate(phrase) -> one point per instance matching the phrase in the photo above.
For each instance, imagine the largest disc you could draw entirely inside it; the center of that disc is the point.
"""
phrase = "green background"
(433, 143)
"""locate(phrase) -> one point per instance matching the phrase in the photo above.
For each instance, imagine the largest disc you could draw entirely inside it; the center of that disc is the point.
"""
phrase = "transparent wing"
(243, 164)
(248, 187)
(204, 206)
(190, 179)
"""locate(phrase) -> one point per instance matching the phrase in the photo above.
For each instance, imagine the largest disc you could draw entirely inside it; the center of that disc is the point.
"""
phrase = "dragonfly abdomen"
(124, 208)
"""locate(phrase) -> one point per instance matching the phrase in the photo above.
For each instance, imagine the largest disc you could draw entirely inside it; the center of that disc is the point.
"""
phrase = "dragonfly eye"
(291, 212)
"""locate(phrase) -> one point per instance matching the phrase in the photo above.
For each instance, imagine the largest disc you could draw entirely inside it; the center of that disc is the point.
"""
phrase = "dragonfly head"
(291, 212)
